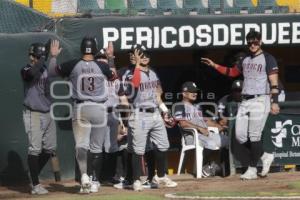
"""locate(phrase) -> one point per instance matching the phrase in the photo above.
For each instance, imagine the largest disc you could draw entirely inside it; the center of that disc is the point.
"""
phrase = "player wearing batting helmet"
(260, 71)
(87, 77)
(39, 125)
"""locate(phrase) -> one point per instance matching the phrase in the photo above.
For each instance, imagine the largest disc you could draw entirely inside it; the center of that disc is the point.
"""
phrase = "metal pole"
(230, 131)
(31, 3)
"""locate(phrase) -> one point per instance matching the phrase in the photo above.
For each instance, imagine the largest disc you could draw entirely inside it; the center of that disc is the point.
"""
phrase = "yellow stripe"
(24, 2)
(43, 6)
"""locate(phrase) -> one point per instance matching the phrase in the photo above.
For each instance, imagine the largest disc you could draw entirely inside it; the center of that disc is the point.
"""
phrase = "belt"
(33, 110)
(147, 110)
(247, 96)
(77, 101)
(110, 109)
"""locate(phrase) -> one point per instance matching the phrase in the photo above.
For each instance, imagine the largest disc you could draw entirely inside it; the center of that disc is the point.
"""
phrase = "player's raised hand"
(208, 62)
(275, 109)
(138, 57)
(55, 49)
(110, 50)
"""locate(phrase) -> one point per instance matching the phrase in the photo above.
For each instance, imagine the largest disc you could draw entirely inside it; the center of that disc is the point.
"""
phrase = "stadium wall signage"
(282, 137)
(177, 32)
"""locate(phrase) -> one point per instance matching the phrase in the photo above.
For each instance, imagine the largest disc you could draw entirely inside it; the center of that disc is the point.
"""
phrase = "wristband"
(274, 98)
(274, 87)
(163, 108)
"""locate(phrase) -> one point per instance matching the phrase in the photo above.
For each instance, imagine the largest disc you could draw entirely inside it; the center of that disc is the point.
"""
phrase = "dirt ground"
(186, 183)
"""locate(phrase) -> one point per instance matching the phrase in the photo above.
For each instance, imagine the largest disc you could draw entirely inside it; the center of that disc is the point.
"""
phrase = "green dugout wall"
(176, 37)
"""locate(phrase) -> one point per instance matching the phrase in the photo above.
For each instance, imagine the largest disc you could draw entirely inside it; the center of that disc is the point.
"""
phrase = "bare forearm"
(186, 124)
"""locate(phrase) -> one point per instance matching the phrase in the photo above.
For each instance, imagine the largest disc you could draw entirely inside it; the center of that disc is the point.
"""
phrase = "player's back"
(88, 82)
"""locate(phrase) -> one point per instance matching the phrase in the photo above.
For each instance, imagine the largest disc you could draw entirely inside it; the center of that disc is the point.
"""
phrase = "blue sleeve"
(106, 70)
(66, 68)
(179, 112)
(271, 64)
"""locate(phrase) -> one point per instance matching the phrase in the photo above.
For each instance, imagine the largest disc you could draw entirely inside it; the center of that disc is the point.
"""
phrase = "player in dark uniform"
(39, 125)
(260, 97)
(89, 93)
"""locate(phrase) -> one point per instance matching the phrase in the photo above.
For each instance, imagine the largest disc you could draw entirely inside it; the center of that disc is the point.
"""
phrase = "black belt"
(33, 110)
(110, 109)
(147, 110)
(247, 96)
(77, 101)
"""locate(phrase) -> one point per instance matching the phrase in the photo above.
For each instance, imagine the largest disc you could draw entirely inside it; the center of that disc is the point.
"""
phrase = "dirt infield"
(276, 182)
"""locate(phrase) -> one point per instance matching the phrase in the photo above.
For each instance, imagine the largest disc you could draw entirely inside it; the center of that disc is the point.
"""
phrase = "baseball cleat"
(149, 185)
(85, 184)
(250, 174)
(167, 182)
(95, 185)
(123, 185)
(267, 159)
(137, 185)
(39, 190)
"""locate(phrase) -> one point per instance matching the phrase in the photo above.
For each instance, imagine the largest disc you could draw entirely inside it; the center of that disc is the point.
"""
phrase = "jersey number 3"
(90, 81)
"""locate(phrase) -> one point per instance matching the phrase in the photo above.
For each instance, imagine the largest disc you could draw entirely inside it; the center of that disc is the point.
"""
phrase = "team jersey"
(189, 112)
(114, 92)
(145, 95)
(36, 87)
(223, 106)
(87, 79)
(255, 71)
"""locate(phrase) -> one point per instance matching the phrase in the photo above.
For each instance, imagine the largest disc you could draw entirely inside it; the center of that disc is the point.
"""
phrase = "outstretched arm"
(231, 72)
(55, 50)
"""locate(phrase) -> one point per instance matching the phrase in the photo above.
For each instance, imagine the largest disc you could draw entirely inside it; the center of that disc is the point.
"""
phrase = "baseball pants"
(89, 126)
(41, 131)
(214, 141)
(110, 141)
(251, 118)
(143, 124)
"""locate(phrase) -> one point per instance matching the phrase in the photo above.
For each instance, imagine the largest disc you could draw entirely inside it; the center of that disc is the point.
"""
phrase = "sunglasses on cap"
(255, 43)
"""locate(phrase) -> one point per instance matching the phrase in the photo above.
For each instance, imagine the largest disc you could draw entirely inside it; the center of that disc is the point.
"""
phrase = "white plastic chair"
(196, 145)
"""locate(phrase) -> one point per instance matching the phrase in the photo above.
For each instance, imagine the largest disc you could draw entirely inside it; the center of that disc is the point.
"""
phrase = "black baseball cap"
(189, 87)
(101, 54)
(237, 85)
(141, 48)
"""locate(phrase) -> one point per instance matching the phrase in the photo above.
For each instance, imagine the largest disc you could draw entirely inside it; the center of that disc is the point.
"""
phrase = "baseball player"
(189, 115)
(39, 125)
(260, 96)
(146, 121)
(116, 97)
(89, 120)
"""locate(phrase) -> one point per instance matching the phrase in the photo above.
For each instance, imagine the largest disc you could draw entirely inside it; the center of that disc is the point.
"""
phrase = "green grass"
(238, 193)
(294, 185)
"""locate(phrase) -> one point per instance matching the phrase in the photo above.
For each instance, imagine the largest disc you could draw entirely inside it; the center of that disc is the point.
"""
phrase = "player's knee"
(34, 152)
(139, 151)
(82, 146)
(255, 138)
(241, 139)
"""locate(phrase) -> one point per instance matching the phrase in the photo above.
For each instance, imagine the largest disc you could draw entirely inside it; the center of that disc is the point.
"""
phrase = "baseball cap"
(141, 48)
(237, 85)
(101, 54)
(189, 87)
